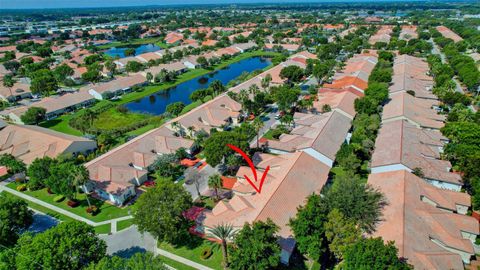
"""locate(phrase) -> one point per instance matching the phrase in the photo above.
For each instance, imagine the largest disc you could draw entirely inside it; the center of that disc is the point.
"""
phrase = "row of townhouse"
(30, 142)
(189, 62)
(426, 212)
(383, 35)
(299, 163)
(86, 96)
(115, 174)
(447, 33)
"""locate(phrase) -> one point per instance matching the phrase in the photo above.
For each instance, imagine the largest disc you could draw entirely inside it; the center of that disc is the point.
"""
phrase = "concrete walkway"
(113, 222)
(181, 260)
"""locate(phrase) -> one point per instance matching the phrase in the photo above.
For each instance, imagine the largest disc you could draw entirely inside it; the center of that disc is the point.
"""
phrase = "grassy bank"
(61, 123)
(192, 251)
(107, 211)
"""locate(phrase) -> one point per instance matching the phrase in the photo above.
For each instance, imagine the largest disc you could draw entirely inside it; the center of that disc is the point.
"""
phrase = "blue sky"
(24, 4)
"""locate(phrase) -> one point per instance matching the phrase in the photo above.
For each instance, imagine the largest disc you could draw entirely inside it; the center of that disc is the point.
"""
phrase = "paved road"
(268, 121)
(3, 187)
(42, 222)
(129, 241)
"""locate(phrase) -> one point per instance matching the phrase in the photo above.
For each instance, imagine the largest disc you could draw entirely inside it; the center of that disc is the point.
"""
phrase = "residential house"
(428, 225)
(447, 33)
(290, 180)
(30, 142)
(116, 87)
(403, 146)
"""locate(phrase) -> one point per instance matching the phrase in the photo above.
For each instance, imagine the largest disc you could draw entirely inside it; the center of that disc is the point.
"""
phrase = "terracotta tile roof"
(282, 192)
(30, 142)
(408, 32)
(400, 142)
(413, 223)
(382, 35)
(418, 111)
(119, 83)
(325, 133)
(447, 33)
(342, 100)
(347, 81)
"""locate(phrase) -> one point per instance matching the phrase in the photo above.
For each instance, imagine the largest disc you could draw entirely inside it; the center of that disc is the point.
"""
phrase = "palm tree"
(258, 125)
(90, 115)
(191, 130)
(149, 77)
(223, 232)
(9, 82)
(266, 81)
(80, 178)
(176, 126)
(215, 182)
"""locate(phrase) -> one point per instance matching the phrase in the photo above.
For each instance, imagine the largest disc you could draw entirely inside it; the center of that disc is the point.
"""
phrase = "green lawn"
(175, 264)
(102, 229)
(112, 119)
(192, 251)
(124, 224)
(107, 211)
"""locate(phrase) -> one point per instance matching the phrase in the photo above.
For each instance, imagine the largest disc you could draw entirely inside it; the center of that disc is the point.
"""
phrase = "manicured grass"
(61, 123)
(112, 119)
(175, 264)
(193, 250)
(107, 211)
(268, 135)
(102, 229)
(124, 224)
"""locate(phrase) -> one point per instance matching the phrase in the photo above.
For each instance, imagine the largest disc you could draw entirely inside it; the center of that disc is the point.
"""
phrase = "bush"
(92, 210)
(73, 204)
(59, 198)
(206, 253)
(22, 187)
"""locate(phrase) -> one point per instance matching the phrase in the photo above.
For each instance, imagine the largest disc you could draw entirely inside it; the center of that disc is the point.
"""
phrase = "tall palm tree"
(215, 182)
(223, 232)
(258, 125)
(81, 178)
(191, 130)
(9, 82)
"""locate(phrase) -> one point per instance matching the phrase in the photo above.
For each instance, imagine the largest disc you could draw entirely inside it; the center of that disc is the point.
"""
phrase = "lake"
(157, 103)
(120, 51)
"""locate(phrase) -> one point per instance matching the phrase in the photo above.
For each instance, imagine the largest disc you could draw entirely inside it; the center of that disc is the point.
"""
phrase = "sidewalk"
(182, 260)
(60, 210)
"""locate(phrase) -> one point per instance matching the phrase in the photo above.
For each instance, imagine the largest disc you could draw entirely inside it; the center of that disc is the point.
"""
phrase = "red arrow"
(252, 167)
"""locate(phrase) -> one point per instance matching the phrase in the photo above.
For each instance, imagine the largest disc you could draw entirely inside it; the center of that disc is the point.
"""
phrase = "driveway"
(42, 222)
(128, 242)
(205, 173)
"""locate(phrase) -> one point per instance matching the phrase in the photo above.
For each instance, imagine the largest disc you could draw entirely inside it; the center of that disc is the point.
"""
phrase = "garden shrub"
(206, 253)
(22, 187)
(73, 204)
(92, 210)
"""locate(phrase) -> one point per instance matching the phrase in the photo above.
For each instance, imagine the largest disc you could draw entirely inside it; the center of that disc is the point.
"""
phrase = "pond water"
(120, 51)
(157, 102)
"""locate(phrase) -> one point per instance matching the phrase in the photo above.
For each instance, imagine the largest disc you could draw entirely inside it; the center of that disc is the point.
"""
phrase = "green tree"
(43, 82)
(139, 261)
(69, 245)
(224, 233)
(215, 182)
(308, 227)
(111, 67)
(216, 149)
(159, 211)
(61, 180)
(340, 233)
(34, 115)
(285, 97)
(292, 73)
(15, 217)
(39, 171)
(149, 77)
(13, 164)
(356, 200)
(62, 71)
(255, 247)
(8, 82)
(372, 253)
(129, 52)
(175, 108)
(92, 75)
(258, 125)
(202, 61)
(133, 66)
